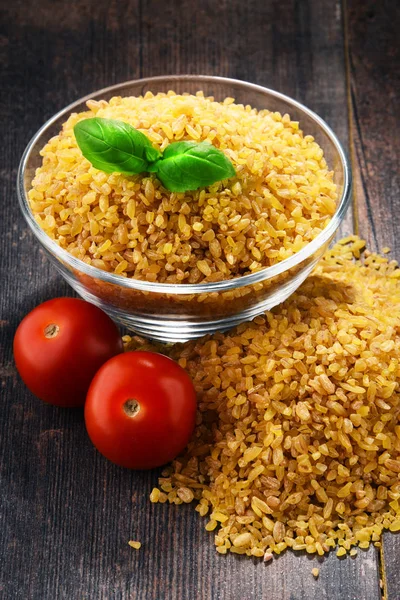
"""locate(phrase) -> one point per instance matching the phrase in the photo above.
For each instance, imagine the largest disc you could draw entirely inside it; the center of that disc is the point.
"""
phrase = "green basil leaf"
(187, 166)
(114, 146)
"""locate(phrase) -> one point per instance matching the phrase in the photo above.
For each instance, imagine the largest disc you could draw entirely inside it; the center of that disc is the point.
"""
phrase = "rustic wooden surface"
(374, 67)
(66, 514)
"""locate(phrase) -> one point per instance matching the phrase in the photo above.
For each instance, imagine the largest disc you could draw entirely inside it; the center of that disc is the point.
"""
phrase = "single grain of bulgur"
(134, 544)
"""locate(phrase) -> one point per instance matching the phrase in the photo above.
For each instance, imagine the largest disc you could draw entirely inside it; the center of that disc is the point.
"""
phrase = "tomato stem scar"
(51, 331)
(131, 407)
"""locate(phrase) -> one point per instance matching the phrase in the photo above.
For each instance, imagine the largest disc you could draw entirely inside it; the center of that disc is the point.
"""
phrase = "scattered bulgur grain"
(332, 470)
(395, 525)
(135, 545)
(185, 494)
(315, 572)
(155, 495)
(268, 556)
(243, 539)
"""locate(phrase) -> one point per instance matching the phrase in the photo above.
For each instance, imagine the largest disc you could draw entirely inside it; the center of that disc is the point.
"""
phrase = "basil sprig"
(116, 147)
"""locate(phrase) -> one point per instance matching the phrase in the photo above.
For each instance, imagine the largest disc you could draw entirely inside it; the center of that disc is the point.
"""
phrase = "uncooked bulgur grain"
(282, 197)
(134, 544)
(297, 443)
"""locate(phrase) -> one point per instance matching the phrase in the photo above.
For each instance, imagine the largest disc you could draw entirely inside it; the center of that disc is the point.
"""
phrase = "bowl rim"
(187, 288)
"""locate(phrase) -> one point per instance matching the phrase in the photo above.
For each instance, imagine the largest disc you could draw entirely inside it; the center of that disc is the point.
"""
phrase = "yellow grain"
(292, 201)
(275, 456)
(134, 544)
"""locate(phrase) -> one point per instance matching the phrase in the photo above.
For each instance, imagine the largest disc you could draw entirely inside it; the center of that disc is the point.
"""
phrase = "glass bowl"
(178, 312)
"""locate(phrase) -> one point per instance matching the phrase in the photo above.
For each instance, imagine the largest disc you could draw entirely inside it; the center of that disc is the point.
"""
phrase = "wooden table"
(67, 514)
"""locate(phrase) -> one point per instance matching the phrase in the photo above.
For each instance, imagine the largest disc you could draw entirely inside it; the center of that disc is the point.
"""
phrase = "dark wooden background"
(67, 514)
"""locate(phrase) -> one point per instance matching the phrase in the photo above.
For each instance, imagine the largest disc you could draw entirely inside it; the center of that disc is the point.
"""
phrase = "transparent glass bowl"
(171, 312)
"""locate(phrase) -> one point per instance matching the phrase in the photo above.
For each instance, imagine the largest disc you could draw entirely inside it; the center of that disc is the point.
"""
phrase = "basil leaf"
(187, 166)
(114, 146)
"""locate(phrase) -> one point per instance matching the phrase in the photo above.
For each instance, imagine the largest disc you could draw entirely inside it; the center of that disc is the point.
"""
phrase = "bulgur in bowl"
(175, 266)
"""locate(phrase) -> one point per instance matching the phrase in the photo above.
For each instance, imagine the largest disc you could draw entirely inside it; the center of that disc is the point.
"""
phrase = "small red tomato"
(60, 345)
(140, 410)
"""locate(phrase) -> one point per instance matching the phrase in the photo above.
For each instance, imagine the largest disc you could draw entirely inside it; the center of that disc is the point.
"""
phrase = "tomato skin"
(59, 369)
(162, 427)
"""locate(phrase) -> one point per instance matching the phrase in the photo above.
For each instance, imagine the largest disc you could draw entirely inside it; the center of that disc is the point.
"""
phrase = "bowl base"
(172, 329)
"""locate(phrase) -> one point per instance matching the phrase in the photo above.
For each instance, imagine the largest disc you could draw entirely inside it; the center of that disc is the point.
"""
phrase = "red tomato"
(140, 410)
(60, 345)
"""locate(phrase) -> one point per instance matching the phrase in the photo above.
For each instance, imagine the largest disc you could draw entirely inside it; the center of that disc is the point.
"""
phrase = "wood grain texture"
(374, 66)
(374, 61)
(66, 514)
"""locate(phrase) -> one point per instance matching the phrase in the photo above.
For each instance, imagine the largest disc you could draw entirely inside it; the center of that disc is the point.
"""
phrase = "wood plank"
(66, 514)
(374, 54)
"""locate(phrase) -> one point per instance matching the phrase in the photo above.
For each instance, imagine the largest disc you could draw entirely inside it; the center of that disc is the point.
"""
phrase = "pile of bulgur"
(282, 197)
(297, 442)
